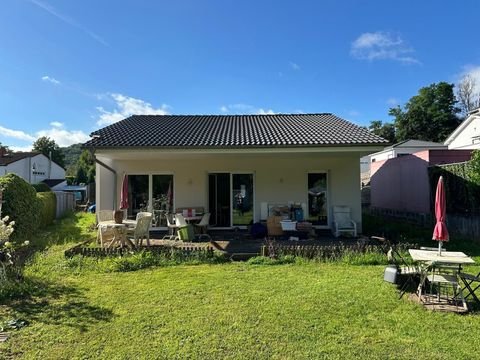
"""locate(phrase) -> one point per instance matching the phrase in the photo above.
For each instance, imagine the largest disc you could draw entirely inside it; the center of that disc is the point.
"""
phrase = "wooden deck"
(239, 244)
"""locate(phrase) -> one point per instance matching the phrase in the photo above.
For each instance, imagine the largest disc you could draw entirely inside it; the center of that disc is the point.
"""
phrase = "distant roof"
(15, 156)
(416, 143)
(232, 131)
(53, 182)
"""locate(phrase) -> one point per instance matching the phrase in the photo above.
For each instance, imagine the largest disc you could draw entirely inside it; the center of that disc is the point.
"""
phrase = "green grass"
(293, 310)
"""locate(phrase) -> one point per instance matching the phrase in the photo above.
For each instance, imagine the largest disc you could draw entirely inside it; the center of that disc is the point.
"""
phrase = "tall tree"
(431, 115)
(86, 167)
(45, 145)
(385, 130)
(468, 97)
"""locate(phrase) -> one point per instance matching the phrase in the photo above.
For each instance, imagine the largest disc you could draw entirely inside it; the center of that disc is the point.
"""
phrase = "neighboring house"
(237, 167)
(467, 134)
(403, 148)
(33, 167)
(402, 184)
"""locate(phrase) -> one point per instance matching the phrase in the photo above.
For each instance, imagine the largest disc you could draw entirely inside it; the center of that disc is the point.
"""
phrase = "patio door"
(153, 193)
(219, 199)
(242, 199)
(317, 199)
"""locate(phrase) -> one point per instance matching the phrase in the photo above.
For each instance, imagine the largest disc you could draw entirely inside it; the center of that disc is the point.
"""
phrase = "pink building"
(402, 183)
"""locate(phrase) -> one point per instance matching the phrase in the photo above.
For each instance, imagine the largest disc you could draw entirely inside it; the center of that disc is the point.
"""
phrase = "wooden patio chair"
(408, 272)
(471, 283)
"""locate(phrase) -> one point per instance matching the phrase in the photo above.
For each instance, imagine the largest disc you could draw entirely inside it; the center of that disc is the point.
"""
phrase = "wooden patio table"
(431, 259)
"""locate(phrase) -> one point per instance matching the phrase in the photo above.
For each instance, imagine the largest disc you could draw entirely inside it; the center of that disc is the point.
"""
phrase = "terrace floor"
(240, 244)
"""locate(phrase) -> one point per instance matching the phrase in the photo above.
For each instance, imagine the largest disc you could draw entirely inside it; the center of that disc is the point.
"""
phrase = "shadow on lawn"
(57, 304)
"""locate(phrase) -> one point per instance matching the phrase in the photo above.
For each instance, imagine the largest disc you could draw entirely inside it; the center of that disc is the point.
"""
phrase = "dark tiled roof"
(53, 182)
(15, 156)
(232, 131)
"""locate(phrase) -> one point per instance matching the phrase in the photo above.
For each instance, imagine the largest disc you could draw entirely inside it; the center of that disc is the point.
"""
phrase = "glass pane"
(137, 194)
(242, 199)
(317, 199)
(162, 197)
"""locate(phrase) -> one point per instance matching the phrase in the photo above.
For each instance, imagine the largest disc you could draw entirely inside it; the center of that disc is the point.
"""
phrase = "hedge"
(21, 204)
(461, 190)
(48, 211)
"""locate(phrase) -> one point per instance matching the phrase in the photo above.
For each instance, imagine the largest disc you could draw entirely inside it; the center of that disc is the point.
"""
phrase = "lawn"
(302, 310)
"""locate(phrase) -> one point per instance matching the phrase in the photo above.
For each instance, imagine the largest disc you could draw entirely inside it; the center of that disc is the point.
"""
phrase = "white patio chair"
(202, 226)
(172, 228)
(342, 221)
(105, 233)
(180, 220)
(142, 228)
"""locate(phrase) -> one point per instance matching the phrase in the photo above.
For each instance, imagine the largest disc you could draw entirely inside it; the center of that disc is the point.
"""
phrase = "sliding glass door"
(242, 199)
(230, 199)
(153, 193)
(317, 199)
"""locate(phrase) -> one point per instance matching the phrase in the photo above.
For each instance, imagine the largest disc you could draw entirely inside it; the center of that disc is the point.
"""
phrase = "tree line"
(431, 115)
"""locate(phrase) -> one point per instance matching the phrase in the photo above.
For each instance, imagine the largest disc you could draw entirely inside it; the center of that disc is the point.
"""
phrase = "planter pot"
(118, 216)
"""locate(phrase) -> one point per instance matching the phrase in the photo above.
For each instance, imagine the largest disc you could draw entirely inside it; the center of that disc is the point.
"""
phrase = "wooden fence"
(168, 251)
(467, 226)
(464, 226)
(65, 202)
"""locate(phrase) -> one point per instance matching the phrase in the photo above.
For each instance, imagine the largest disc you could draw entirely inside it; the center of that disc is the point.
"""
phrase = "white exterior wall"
(23, 168)
(468, 138)
(278, 178)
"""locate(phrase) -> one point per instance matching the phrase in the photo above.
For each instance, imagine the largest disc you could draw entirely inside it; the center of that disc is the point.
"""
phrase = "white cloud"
(474, 72)
(21, 148)
(265, 112)
(50, 80)
(393, 101)
(56, 124)
(294, 66)
(240, 108)
(127, 106)
(16, 134)
(62, 136)
(382, 46)
(68, 20)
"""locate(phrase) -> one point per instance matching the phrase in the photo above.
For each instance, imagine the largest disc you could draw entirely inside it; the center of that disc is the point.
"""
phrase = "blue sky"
(70, 67)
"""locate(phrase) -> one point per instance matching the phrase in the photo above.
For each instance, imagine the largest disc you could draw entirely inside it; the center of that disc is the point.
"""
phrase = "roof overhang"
(155, 153)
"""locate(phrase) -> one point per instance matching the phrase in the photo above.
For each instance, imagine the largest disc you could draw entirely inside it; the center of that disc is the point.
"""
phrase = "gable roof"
(472, 115)
(53, 182)
(232, 131)
(15, 156)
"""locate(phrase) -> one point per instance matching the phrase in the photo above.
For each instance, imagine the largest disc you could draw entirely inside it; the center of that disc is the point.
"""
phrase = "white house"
(33, 167)
(406, 147)
(467, 135)
(233, 166)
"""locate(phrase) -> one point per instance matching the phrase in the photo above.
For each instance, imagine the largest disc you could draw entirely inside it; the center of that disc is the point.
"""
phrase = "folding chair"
(408, 272)
(468, 280)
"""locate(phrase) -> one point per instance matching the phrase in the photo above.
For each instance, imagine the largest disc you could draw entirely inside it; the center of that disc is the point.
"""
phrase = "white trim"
(266, 150)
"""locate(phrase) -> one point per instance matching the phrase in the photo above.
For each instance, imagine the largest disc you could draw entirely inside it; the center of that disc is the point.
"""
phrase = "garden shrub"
(41, 187)
(48, 211)
(21, 204)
